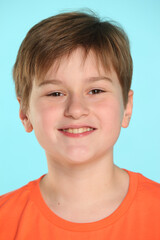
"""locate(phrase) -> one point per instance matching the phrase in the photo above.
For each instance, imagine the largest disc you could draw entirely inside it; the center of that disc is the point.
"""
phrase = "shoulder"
(15, 206)
(148, 193)
(13, 193)
(11, 199)
(13, 203)
(148, 186)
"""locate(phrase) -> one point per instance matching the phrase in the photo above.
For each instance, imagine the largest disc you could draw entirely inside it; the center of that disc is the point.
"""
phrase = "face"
(77, 111)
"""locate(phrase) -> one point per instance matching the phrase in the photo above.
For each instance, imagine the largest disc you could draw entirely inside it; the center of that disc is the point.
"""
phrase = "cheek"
(110, 118)
(44, 121)
(110, 111)
(111, 121)
(44, 117)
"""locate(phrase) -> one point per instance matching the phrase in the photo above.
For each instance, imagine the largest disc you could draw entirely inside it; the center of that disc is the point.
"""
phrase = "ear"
(24, 118)
(128, 110)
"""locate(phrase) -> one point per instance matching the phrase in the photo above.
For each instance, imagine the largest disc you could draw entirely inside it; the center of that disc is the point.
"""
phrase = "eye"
(96, 91)
(55, 94)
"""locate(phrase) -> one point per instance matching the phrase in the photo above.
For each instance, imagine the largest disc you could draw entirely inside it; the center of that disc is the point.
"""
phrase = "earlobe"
(24, 118)
(128, 110)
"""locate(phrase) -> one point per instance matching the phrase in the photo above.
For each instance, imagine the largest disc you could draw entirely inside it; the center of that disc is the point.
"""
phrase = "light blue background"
(138, 148)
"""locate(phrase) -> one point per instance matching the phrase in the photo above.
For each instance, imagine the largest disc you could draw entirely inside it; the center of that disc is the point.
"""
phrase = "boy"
(73, 77)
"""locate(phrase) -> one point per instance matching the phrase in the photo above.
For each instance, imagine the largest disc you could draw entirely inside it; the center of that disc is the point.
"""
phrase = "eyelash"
(53, 94)
(98, 91)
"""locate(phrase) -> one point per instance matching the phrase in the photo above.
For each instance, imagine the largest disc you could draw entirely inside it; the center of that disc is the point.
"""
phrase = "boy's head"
(58, 36)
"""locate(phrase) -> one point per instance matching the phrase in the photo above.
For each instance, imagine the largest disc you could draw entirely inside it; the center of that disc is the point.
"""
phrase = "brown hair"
(54, 37)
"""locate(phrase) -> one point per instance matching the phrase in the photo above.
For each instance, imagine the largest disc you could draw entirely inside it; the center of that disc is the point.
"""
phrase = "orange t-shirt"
(25, 216)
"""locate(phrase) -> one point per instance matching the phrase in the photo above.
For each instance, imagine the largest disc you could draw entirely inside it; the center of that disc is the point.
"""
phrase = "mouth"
(77, 131)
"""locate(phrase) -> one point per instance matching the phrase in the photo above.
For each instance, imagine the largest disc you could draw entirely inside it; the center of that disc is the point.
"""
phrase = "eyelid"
(101, 90)
(60, 92)
(51, 93)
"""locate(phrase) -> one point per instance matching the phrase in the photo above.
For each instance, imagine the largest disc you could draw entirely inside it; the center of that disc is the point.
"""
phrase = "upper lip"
(76, 126)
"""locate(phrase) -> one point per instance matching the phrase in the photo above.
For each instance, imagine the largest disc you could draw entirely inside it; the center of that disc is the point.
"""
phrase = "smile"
(77, 132)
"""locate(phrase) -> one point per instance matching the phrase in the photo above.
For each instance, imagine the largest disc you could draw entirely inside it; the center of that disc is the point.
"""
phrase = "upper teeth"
(77, 130)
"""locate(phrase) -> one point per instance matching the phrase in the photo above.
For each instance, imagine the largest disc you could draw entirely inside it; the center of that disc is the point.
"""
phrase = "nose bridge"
(76, 106)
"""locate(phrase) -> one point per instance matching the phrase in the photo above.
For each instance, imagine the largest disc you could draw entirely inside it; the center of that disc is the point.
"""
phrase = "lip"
(76, 126)
(75, 135)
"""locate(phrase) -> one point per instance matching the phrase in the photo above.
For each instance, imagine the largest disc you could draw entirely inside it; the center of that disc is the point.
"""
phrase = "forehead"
(78, 62)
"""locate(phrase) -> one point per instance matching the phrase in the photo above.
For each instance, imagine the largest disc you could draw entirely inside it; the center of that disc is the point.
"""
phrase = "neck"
(82, 185)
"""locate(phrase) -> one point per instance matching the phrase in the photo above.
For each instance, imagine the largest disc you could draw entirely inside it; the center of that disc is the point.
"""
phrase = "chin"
(78, 157)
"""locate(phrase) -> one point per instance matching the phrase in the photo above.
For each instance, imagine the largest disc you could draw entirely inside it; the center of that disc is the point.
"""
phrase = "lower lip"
(74, 135)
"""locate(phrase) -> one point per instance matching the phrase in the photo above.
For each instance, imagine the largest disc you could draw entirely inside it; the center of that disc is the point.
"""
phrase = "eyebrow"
(59, 82)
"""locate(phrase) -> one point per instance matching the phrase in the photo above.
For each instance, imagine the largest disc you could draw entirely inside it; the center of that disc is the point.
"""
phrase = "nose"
(76, 107)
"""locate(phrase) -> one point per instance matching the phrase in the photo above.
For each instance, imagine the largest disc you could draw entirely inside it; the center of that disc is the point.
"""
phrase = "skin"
(82, 184)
